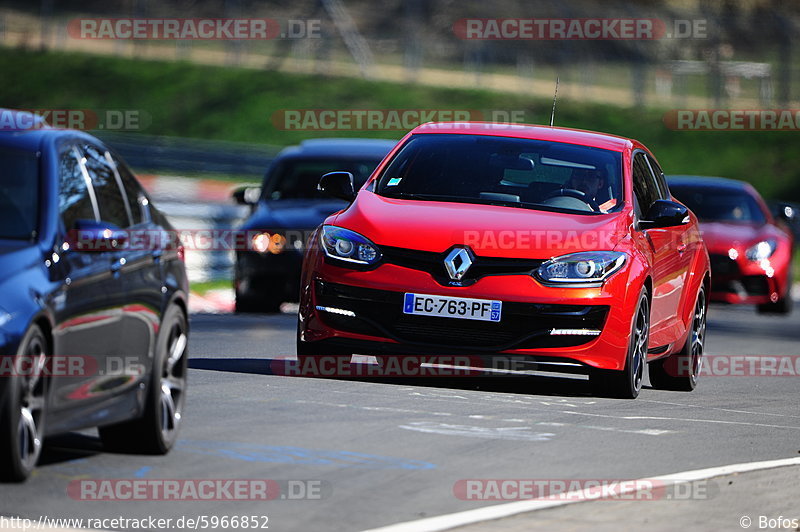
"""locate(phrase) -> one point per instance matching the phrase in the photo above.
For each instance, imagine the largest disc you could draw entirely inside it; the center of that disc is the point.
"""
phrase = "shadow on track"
(472, 379)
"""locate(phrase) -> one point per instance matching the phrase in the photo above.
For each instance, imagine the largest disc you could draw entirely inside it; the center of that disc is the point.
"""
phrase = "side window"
(133, 191)
(75, 199)
(645, 187)
(662, 181)
(112, 206)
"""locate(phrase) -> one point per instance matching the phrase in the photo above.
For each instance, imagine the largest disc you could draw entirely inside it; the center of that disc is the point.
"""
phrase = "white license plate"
(452, 307)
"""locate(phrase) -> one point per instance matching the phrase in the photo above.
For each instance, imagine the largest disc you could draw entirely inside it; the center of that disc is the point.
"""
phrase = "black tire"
(782, 306)
(680, 370)
(627, 383)
(23, 420)
(157, 430)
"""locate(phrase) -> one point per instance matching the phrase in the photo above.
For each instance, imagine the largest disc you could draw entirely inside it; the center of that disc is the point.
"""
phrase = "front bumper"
(530, 312)
(740, 281)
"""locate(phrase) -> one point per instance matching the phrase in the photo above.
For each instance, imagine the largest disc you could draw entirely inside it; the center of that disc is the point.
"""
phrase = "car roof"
(347, 148)
(530, 131)
(707, 181)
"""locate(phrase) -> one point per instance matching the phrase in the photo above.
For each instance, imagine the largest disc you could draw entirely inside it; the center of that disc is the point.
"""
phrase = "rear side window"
(112, 205)
(133, 191)
(75, 200)
(645, 187)
(19, 193)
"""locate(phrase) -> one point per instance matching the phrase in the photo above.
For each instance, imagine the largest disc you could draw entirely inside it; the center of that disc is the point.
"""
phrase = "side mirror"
(338, 185)
(91, 235)
(665, 213)
(246, 195)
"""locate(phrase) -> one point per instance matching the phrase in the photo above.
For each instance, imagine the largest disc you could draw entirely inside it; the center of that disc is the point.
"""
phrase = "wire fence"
(712, 54)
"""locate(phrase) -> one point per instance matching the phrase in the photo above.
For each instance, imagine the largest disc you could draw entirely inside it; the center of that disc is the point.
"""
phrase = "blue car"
(287, 208)
(93, 300)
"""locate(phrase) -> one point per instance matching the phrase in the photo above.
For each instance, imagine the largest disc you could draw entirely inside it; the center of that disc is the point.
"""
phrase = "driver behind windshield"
(594, 184)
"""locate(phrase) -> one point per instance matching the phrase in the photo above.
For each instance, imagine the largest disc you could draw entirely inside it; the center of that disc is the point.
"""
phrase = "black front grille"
(723, 265)
(433, 263)
(756, 285)
(522, 326)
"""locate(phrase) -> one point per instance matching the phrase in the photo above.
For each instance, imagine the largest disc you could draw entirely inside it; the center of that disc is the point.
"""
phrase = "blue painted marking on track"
(251, 452)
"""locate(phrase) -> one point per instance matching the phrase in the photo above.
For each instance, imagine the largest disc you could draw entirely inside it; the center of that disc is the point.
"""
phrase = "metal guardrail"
(153, 154)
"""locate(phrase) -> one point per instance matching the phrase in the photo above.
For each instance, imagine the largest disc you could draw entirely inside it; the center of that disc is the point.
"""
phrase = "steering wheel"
(577, 194)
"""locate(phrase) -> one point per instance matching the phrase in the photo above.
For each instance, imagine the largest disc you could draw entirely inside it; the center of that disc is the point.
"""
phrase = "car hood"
(489, 230)
(292, 214)
(721, 236)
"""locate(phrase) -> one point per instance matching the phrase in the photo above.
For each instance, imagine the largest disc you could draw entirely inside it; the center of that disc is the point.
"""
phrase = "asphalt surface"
(378, 451)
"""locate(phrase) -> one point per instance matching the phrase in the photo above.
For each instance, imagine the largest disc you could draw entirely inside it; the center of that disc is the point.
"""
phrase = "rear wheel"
(627, 384)
(22, 422)
(680, 370)
(157, 430)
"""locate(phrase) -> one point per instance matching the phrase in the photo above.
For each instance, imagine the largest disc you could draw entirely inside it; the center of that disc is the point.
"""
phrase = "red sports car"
(559, 247)
(751, 254)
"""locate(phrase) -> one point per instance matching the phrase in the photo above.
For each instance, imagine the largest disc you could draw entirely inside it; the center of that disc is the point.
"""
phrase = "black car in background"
(287, 208)
(93, 326)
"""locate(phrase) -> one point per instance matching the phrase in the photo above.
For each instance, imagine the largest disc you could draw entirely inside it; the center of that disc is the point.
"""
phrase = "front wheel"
(627, 384)
(157, 430)
(680, 371)
(22, 421)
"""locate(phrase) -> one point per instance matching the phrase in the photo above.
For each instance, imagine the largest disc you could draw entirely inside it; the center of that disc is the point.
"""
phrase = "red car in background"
(751, 251)
(554, 246)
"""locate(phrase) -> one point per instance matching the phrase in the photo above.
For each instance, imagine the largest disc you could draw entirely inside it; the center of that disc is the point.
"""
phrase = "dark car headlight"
(349, 246)
(762, 250)
(584, 268)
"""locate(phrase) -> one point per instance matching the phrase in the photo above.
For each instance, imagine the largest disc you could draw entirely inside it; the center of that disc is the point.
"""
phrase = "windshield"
(505, 171)
(714, 204)
(19, 194)
(298, 178)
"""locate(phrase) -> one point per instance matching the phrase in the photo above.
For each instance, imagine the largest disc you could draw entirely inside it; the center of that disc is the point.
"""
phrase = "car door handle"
(681, 248)
(157, 255)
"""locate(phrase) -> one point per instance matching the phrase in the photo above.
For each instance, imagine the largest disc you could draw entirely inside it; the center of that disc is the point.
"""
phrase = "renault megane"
(555, 246)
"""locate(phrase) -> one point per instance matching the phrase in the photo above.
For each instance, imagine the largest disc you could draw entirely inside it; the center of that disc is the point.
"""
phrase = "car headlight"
(762, 250)
(349, 246)
(268, 243)
(584, 268)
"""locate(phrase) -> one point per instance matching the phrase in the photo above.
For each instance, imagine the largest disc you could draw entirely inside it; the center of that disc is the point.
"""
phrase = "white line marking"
(719, 409)
(499, 433)
(488, 513)
(685, 420)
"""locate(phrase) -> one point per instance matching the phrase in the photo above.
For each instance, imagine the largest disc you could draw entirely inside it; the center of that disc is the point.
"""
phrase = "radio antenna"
(553, 113)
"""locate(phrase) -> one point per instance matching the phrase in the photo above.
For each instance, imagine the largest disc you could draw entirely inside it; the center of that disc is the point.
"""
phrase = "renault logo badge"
(458, 261)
